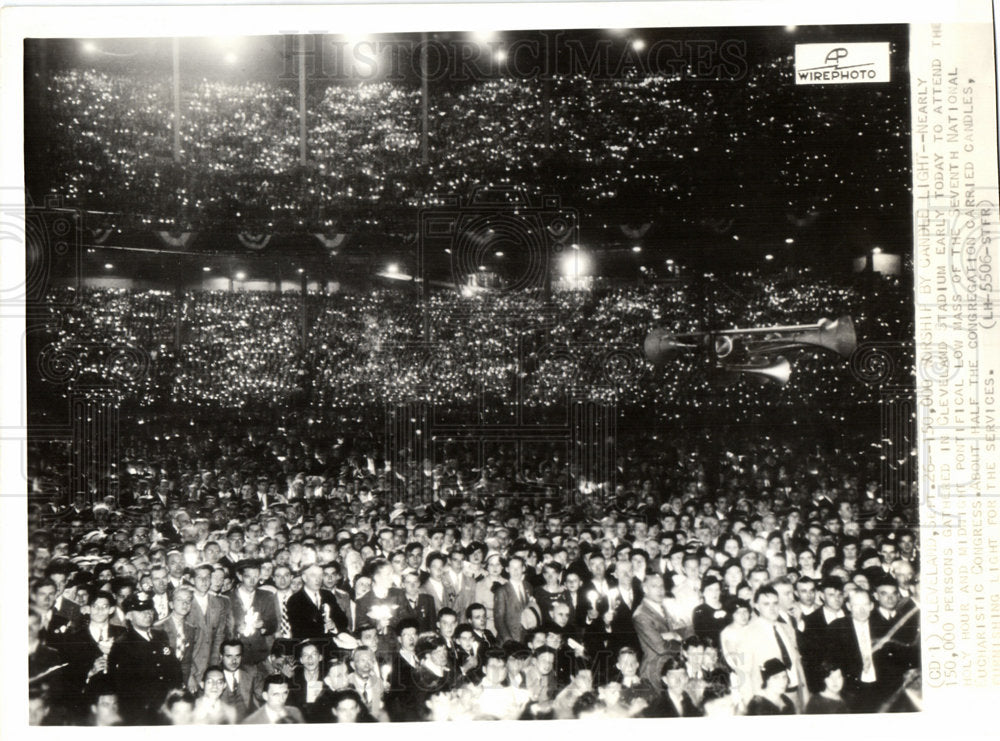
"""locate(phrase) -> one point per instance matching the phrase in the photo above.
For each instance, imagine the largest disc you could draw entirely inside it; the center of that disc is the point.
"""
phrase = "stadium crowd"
(249, 575)
(244, 350)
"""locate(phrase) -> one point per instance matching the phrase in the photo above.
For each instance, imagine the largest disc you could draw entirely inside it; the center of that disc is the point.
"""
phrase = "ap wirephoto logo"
(838, 64)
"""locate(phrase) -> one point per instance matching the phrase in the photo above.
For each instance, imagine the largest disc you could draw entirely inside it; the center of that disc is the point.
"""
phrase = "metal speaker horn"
(661, 346)
(779, 371)
(837, 336)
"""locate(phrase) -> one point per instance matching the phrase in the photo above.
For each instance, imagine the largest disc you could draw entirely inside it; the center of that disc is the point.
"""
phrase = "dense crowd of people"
(247, 575)
(633, 136)
(244, 350)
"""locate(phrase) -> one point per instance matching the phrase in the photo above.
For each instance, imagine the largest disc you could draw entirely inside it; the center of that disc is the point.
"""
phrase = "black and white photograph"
(500, 373)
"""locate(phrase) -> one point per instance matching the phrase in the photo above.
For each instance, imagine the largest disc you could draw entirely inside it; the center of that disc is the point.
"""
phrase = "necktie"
(238, 699)
(785, 656)
(286, 627)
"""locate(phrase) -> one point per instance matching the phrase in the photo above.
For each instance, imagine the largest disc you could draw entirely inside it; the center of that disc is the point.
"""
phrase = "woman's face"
(779, 682)
(807, 561)
(733, 576)
(494, 567)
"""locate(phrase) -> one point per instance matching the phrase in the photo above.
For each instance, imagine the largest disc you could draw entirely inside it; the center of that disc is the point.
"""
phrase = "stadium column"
(424, 103)
(177, 98)
(305, 317)
(179, 311)
(302, 101)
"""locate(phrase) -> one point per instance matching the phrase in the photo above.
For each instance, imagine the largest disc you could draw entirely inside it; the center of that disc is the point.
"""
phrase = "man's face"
(676, 680)
(628, 664)
(105, 710)
(159, 580)
(767, 607)
(250, 578)
(786, 596)
(573, 582)
(336, 676)
(362, 586)
(478, 619)
(232, 657)
(464, 639)
(860, 605)
(560, 614)
(215, 685)
(887, 553)
(330, 578)
(45, 597)
(310, 657)
(447, 625)
(142, 619)
(496, 670)
(408, 639)
(364, 663)
(887, 596)
(597, 566)
(282, 578)
(181, 603)
(546, 662)
(806, 593)
(347, 710)
(440, 656)
(276, 696)
(218, 580)
(235, 543)
(516, 570)
(411, 584)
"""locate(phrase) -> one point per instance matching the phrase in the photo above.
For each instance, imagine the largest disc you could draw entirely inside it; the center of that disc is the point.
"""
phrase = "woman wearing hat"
(771, 699)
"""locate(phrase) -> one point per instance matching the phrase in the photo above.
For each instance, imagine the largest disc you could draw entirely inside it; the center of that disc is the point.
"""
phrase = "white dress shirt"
(865, 644)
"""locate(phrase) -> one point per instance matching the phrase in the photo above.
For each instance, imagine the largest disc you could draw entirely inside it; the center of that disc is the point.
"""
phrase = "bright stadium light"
(392, 269)
(638, 44)
(89, 47)
(575, 265)
(108, 266)
(207, 269)
(769, 257)
(876, 250)
(241, 275)
(637, 248)
(230, 58)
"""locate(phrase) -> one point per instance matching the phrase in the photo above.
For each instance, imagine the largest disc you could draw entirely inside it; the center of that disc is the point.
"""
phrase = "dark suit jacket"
(248, 692)
(143, 672)
(81, 651)
(306, 619)
(259, 716)
(190, 634)
(844, 640)
(664, 707)
(507, 607)
(257, 646)
(424, 614)
(815, 645)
